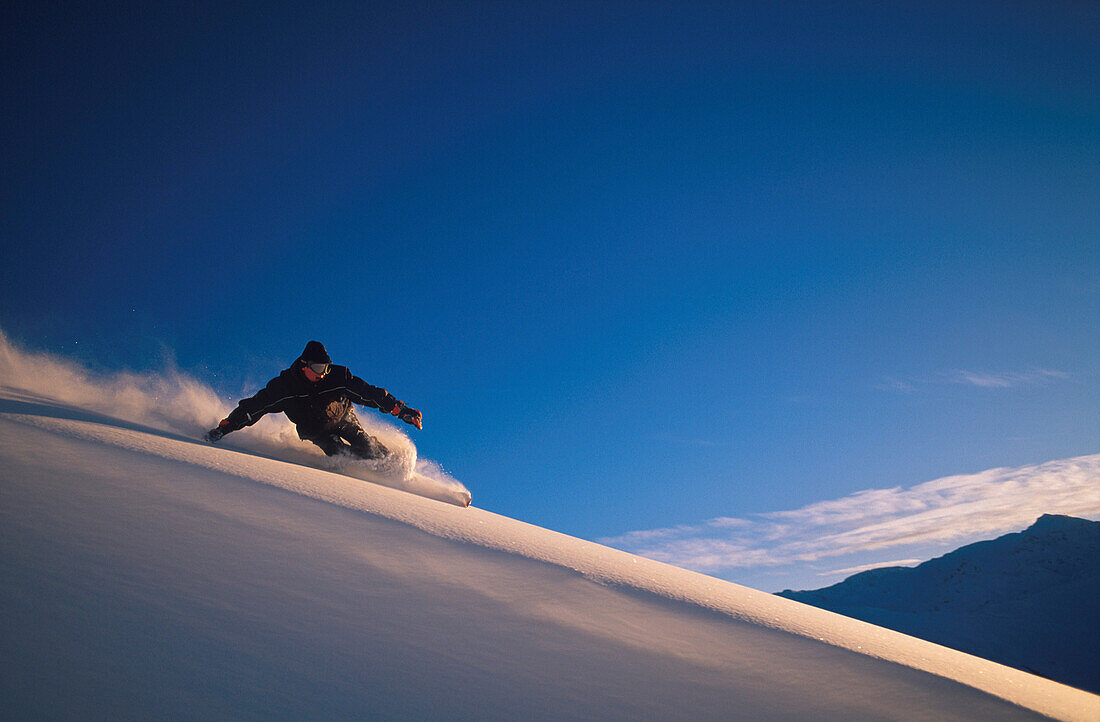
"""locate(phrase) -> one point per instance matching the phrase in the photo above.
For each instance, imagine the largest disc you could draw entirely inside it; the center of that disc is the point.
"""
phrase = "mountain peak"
(1059, 522)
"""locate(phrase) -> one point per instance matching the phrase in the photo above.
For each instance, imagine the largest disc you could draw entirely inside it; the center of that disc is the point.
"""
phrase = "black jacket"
(315, 407)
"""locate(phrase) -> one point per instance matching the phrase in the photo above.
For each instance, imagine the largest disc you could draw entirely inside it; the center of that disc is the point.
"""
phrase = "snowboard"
(395, 472)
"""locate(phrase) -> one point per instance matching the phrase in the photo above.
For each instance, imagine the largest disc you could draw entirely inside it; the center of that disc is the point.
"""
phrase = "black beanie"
(315, 353)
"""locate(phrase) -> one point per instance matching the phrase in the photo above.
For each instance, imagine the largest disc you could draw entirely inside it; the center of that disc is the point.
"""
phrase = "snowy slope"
(1027, 599)
(143, 575)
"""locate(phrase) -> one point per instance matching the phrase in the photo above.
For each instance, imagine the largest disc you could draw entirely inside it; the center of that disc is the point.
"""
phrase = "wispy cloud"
(896, 383)
(868, 567)
(954, 509)
(980, 379)
(1007, 380)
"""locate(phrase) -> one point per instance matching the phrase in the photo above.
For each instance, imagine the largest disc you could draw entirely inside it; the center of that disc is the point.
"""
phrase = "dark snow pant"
(348, 437)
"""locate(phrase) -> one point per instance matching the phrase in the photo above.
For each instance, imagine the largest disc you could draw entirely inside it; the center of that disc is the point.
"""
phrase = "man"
(317, 396)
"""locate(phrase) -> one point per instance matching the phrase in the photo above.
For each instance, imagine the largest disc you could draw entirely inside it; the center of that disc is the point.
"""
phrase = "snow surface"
(146, 574)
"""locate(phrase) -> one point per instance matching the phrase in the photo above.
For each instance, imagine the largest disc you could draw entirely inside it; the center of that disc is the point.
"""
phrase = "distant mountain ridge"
(1030, 599)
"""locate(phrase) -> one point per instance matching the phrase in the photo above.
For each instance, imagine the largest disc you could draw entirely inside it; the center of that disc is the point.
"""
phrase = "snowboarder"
(317, 396)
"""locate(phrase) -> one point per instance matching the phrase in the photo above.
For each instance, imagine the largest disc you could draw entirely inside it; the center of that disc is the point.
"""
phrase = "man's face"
(315, 372)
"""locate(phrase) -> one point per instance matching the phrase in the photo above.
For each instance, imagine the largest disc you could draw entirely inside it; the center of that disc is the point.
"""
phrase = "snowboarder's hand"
(215, 434)
(408, 414)
(412, 416)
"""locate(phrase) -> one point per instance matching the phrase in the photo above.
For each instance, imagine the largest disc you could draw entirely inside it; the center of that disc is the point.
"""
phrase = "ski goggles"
(318, 368)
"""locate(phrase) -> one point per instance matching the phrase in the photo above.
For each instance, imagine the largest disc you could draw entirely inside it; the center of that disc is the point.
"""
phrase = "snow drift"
(143, 574)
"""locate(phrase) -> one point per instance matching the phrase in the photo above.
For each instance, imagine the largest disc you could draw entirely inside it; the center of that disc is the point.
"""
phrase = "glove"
(408, 414)
(215, 434)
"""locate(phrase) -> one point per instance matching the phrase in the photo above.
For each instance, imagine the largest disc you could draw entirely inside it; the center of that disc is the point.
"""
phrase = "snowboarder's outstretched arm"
(363, 393)
(250, 410)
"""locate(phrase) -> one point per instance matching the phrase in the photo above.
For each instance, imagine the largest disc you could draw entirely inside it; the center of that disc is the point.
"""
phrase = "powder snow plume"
(171, 401)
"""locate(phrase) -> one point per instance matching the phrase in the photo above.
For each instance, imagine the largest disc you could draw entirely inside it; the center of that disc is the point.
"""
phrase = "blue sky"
(641, 265)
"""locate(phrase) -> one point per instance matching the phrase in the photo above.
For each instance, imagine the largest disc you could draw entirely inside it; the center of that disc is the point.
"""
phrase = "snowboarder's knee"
(367, 447)
(331, 445)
